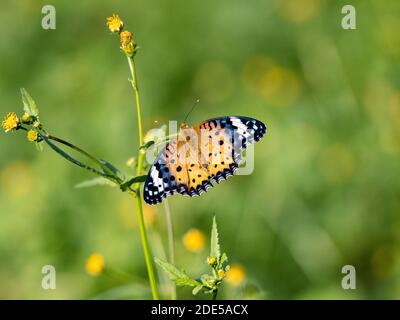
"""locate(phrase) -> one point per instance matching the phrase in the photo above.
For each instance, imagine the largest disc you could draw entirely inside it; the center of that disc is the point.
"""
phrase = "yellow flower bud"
(26, 118)
(125, 37)
(32, 135)
(211, 261)
(221, 274)
(127, 43)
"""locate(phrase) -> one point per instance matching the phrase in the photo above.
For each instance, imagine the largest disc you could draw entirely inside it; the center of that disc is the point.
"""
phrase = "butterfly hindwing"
(165, 176)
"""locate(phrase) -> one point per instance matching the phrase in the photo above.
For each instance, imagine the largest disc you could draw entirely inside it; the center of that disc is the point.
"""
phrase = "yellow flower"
(26, 118)
(125, 37)
(127, 44)
(95, 264)
(10, 122)
(194, 240)
(221, 274)
(236, 275)
(114, 23)
(211, 261)
(32, 135)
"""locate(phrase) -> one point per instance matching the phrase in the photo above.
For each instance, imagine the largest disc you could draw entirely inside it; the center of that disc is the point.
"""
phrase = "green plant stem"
(139, 205)
(214, 296)
(132, 69)
(171, 242)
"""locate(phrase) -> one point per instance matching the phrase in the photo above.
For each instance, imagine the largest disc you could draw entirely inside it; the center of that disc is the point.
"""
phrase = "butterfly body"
(206, 153)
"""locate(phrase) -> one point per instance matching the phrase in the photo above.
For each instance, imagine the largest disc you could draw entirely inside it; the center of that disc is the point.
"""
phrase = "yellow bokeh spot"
(299, 10)
(394, 108)
(194, 240)
(336, 163)
(390, 139)
(382, 261)
(128, 213)
(236, 275)
(278, 85)
(214, 81)
(95, 264)
(386, 35)
(16, 179)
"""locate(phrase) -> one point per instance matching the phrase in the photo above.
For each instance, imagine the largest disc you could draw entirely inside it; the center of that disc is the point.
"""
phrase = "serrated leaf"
(29, 104)
(197, 289)
(98, 181)
(215, 249)
(178, 276)
(223, 261)
(205, 280)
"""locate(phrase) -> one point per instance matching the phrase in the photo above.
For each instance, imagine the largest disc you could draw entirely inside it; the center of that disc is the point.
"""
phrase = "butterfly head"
(184, 126)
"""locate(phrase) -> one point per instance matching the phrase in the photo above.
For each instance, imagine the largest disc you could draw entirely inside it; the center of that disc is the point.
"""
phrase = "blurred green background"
(325, 189)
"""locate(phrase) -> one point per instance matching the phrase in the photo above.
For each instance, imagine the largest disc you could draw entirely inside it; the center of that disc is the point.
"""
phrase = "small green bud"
(26, 118)
(211, 261)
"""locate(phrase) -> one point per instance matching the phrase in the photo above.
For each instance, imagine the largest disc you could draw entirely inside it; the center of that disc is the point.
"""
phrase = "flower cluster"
(116, 25)
(12, 122)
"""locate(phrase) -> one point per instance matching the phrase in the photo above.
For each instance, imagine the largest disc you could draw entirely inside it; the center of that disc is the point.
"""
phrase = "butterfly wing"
(209, 152)
(166, 177)
(225, 140)
(177, 170)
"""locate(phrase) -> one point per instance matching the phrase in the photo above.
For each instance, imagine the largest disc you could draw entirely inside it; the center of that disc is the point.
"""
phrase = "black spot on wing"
(225, 173)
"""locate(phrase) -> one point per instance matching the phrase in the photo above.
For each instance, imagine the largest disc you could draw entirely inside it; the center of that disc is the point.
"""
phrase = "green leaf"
(178, 276)
(98, 181)
(147, 145)
(39, 145)
(70, 158)
(29, 104)
(223, 261)
(197, 289)
(136, 179)
(215, 249)
(109, 167)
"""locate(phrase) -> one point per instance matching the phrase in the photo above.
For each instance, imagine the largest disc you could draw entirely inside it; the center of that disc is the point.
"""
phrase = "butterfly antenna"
(190, 111)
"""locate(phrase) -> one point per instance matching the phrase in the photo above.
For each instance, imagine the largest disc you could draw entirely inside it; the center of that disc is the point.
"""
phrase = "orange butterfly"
(208, 152)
